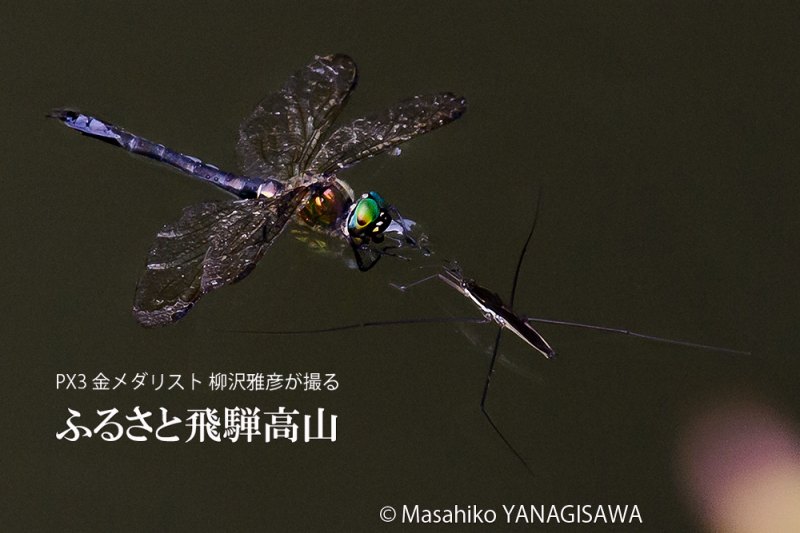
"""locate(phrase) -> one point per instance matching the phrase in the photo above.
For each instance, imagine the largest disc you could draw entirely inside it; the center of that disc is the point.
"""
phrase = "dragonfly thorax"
(327, 208)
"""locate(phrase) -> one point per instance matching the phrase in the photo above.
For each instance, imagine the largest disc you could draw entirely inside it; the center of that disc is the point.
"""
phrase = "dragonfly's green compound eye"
(368, 218)
(365, 213)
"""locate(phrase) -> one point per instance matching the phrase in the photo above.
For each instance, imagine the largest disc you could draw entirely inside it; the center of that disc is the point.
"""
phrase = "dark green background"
(664, 137)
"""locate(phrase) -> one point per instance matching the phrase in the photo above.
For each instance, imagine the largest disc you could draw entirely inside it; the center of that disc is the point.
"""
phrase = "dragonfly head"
(375, 228)
(368, 218)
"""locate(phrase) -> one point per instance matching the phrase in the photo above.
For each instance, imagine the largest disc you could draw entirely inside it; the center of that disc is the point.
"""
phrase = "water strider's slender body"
(289, 156)
(496, 310)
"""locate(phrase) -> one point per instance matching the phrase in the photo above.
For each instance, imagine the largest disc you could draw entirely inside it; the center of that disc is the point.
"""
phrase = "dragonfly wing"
(211, 245)
(366, 137)
(280, 137)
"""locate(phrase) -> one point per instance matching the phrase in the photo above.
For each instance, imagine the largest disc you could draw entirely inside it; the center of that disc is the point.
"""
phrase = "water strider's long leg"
(359, 325)
(500, 334)
(630, 333)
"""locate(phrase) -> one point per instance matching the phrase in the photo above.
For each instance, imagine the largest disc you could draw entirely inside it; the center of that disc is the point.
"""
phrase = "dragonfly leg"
(390, 251)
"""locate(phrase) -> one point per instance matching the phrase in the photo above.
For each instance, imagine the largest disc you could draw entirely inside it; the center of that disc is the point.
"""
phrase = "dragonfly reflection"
(289, 157)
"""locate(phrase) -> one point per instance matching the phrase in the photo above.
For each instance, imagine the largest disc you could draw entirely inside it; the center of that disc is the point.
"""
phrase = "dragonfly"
(289, 155)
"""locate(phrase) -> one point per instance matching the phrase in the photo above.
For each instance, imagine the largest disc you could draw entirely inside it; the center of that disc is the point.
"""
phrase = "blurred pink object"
(739, 462)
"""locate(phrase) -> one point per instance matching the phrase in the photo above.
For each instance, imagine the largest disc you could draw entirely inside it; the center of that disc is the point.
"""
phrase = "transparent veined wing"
(366, 137)
(280, 137)
(211, 245)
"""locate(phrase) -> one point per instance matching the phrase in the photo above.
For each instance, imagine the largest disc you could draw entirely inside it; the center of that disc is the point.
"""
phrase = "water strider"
(495, 310)
(493, 307)
(289, 157)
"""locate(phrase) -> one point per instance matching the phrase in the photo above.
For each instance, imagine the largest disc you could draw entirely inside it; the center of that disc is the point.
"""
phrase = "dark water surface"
(665, 141)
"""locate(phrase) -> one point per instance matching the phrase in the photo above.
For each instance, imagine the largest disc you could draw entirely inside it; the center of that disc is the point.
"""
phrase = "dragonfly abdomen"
(241, 186)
